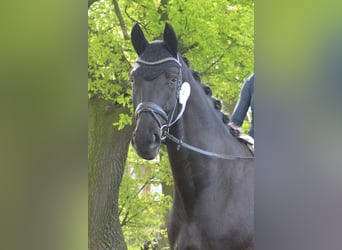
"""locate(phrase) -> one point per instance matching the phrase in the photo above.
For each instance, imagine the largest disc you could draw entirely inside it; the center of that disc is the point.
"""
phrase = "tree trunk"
(107, 153)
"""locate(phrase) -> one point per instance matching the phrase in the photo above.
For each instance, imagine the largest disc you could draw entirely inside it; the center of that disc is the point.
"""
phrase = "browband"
(139, 60)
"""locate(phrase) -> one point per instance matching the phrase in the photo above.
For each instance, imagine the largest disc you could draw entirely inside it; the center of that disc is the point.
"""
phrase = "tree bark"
(107, 153)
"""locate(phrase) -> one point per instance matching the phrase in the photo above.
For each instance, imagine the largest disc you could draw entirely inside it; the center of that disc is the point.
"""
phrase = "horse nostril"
(156, 137)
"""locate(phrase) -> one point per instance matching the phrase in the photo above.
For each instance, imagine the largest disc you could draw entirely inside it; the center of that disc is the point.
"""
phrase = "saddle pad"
(248, 140)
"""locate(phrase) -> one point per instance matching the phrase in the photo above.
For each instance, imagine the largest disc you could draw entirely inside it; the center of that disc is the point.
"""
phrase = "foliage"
(142, 210)
(218, 39)
(108, 60)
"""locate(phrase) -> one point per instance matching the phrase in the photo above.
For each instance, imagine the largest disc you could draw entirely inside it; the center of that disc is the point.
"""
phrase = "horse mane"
(215, 102)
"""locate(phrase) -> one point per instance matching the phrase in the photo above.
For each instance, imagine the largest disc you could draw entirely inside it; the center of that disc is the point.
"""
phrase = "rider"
(246, 100)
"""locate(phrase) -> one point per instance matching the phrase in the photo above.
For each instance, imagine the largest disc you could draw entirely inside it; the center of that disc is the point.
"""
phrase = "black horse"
(213, 172)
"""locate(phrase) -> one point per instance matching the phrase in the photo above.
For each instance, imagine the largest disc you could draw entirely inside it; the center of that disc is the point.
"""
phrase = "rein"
(180, 144)
(156, 110)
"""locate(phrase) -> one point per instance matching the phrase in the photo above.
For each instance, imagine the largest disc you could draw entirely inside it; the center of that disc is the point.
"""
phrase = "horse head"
(156, 82)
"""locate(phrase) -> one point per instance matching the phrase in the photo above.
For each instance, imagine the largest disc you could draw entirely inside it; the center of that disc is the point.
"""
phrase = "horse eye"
(173, 81)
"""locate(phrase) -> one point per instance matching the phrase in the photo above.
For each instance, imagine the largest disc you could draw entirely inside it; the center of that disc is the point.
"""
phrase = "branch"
(135, 195)
(128, 219)
(90, 2)
(142, 188)
(122, 22)
(214, 63)
(124, 221)
(127, 14)
(184, 50)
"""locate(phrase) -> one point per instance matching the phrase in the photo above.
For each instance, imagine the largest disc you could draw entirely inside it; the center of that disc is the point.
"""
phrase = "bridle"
(155, 109)
(158, 112)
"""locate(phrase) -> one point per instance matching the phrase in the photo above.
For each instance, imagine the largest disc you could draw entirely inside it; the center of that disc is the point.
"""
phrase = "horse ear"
(171, 39)
(138, 39)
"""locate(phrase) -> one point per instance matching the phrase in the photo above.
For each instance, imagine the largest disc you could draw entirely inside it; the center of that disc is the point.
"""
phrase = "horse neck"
(200, 126)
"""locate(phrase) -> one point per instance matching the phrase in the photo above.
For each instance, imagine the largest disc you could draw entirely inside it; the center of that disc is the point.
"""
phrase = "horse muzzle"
(146, 138)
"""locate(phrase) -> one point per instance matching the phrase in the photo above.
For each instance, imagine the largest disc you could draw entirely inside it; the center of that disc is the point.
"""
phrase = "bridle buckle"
(164, 131)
